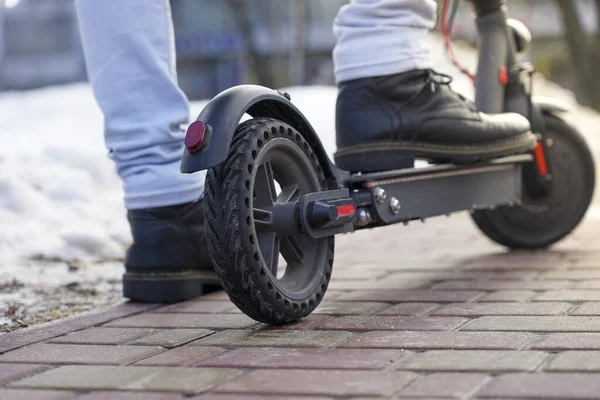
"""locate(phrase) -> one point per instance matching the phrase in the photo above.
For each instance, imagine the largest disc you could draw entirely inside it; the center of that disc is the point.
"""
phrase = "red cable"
(448, 42)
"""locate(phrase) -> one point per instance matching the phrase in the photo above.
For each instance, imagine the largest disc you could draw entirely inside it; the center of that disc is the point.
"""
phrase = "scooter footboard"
(401, 196)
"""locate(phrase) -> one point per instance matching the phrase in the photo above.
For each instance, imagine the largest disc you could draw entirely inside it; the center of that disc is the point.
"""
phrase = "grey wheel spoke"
(263, 219)
(269, 247)
(289, 193)
(275, 258)
(264, 185)
(291, 250)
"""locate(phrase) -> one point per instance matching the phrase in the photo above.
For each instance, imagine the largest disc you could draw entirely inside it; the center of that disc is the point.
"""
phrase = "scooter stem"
(483, 7)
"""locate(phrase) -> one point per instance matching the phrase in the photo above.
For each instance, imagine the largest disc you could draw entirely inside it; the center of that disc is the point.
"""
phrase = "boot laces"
(436, 78)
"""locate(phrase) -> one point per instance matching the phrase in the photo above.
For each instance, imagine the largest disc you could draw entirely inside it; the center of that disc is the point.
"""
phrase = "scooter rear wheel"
(251, 221)
(538, 223)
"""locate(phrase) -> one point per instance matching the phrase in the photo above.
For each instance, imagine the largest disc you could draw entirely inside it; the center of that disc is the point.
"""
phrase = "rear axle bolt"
(395, 205)
(380, 194)
(364, 217)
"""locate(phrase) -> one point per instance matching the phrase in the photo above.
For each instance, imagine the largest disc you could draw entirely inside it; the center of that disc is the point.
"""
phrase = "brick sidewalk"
(430, 311)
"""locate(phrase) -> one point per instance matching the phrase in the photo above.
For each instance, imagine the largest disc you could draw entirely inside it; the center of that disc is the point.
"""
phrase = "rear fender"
(223, 114)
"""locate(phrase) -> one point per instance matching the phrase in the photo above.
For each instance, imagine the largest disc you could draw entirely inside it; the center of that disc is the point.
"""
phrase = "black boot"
(169, 260)
(386, 122)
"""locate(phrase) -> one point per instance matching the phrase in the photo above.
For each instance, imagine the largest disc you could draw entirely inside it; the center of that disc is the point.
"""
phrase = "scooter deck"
(420, 193)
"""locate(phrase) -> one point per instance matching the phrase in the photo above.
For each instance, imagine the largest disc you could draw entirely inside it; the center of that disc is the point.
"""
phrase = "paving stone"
(219, 295)
(521, 274)
(568, 341)
(569, 295)
(416, 281)
(129, 396)
(372, 398)
(441, 340)
(467, 275)
(306, 358)
(535, 324)
(445, 385)
(160, 379)
(490, 398)
(273, 338)
(194, 306)
(559, 386)
(405, 262)
(480, 309)
(100, 335)
(484, 265)
(24, 394)
(383, 323)
(591, 284)
(508, 296)
(475, 360)
(583, 259)
(305, 323)
(575, 361)
(172, 337)
(187, 320)
(413, 274)
(350, 308)
(592, 309)
(571, 274)
(409, 309)
(37, 333)
(187, 356)
(356, 272)
(236, 310)
(503, 285)
(11, 372)
(78, 354)
(406, 398)
(223, 396)
(530, 260)
(399, 296)
(319, 382)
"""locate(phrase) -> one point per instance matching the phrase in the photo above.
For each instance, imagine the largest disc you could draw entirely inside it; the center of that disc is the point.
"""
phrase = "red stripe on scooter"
(503, 76)
(540, 158)
(344, 211)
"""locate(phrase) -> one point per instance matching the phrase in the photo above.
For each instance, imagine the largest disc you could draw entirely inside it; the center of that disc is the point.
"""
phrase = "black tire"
(538, 223)
(261, 149)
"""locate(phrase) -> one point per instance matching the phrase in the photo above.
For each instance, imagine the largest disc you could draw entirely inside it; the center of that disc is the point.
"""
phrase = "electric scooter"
(274, 200)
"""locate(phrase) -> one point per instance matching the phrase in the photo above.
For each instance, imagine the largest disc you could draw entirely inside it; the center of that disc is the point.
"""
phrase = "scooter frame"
(502, 85)
(249, 223)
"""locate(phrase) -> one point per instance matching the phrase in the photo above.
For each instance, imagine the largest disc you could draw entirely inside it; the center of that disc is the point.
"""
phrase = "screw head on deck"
(395, 205)
(364, 217)
(380, 194)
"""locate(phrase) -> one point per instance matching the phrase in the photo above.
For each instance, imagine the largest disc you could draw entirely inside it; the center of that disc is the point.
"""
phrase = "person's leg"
(382, 37)
(130, 58)
(392, 107)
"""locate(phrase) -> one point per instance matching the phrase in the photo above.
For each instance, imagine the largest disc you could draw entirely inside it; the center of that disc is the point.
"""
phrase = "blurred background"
(275, 43)
(63, 231)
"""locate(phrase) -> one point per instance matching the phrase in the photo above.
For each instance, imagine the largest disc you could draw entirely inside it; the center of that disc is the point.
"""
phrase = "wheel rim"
(548, 215)
(282, 163)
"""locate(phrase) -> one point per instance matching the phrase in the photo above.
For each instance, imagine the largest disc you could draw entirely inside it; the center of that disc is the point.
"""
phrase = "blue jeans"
(130, 57)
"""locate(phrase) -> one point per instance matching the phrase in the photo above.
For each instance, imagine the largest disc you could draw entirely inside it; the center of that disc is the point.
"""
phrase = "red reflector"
(194, 138)
(503, 76)
(540, 158)
(344, 211)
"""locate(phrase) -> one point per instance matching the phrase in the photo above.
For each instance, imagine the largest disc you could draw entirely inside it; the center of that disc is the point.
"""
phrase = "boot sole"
(148, 287)
(385, 156)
